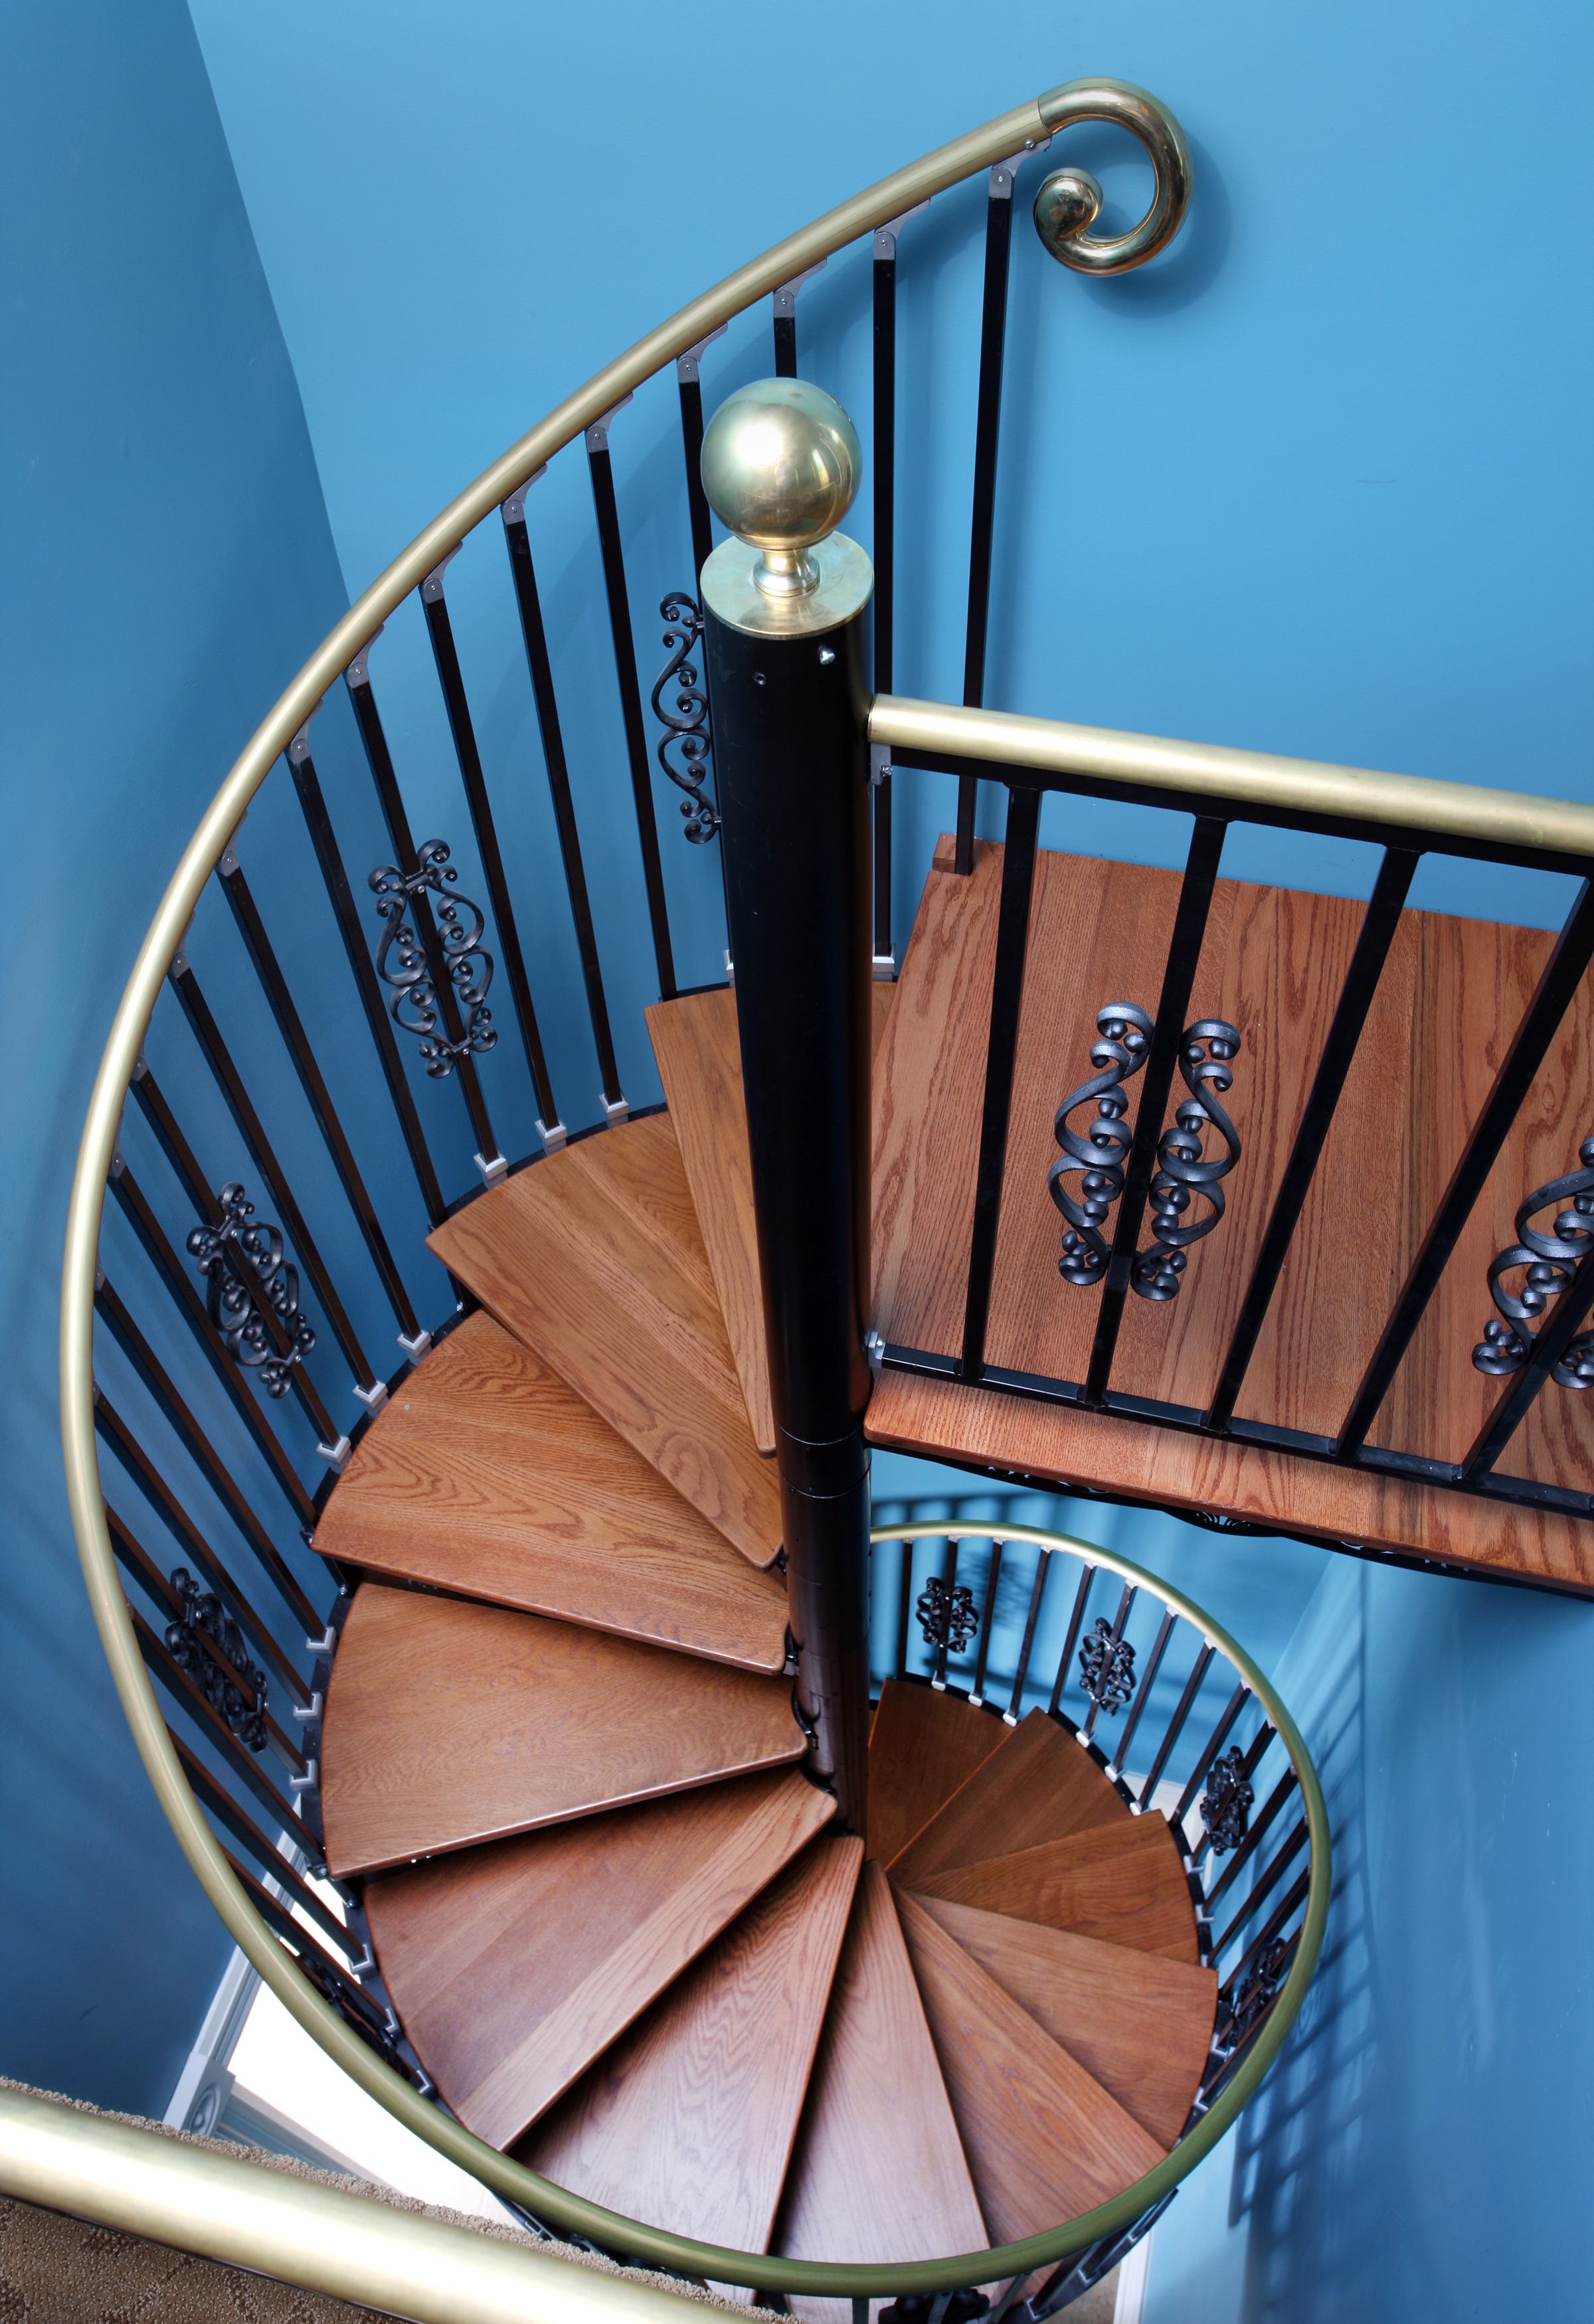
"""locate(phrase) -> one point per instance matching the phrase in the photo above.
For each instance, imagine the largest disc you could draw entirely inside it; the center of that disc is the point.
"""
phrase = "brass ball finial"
(781, 466)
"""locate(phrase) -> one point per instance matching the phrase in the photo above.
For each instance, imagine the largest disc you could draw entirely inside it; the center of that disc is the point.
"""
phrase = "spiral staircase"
(840, 1918)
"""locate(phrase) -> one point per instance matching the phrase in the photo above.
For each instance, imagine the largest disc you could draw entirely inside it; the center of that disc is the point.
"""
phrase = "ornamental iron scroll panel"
(1099, 1154)
(401, 962)
(1226, 1803)
(1106, 1667)
(946, 1615)
(686, 722)
(1551, 1260)
(250, 1287)
(237, 1695)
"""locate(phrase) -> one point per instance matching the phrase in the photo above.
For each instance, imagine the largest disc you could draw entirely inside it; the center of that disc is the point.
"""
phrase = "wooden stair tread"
(1123, 1884)
(1273, 962)
(1040, 1785)
(877, 2173)
(593, 1256)
(512, 1967)
(922, 1745)
(1044, 2141)
(487, 1475)
(687, 2122)
(450, 1722)
(1140, 2025)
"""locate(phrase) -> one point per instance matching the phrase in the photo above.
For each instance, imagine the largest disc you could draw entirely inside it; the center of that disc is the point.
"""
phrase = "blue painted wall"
(169, 564)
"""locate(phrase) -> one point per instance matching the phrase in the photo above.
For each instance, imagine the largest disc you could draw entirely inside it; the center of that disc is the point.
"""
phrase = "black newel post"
(788, 676)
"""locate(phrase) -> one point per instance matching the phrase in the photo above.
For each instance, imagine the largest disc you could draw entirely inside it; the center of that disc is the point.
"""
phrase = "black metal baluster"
(1012, 929)
(1266, 1936)
(1562, 973)
(137, 1559)
(904, 1610)
(250, 1688)
(1010, 1716)
(186, 1533)
(217, 1734)
(1276, 1866)
(1184, 952)
(214, 1049)
(179, 1279)
(689, 383)
(277, 1917)
(1550, 1344)
(991, 1579)
(1175, 1729)
(1379, 922)
(257, 943)
(1237, 1704)
(451, 678)
(885, 491)
(1147, 1681)
(307, 783)
(1075, 1621)
(949, 1582)
(538, 664)
(1113, 1643)
(786, 322)
(222, 1806)
(619, 604)
(357, 678)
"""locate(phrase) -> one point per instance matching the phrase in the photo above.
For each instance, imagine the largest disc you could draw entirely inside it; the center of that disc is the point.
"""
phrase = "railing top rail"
(1514, 820)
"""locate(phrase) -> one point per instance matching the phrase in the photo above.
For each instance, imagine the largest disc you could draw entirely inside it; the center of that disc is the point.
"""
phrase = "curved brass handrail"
(1008, 134)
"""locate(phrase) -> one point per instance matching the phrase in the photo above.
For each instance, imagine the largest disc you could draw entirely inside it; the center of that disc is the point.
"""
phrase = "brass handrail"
(1259, 779)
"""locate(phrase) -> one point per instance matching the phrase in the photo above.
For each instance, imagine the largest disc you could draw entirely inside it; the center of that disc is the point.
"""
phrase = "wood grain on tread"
(878, 2171)
(1044, 2141)
(688, 2122)
(1122, 1885)
(516, 1966)
(1042, 1786)
(449, 1722)
(487, 1475)
(1136, 1461)
(1141, 2025)
(921, 1747)
(593, 1256)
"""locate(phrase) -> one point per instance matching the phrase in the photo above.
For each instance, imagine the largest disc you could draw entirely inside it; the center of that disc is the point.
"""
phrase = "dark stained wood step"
(687, 2121)
(1273, 962)
(1122, 1884)
(1040, 1785)
(449, 1722)
(487, 1475)
(514, 1966)
(877, 2173)
(1142, 2025)
(593, 1256)
(922, 1745)
(1044, 2141)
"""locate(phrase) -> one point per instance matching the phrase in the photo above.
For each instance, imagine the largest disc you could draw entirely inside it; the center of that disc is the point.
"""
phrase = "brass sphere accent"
(1068, 204)
(781, 466)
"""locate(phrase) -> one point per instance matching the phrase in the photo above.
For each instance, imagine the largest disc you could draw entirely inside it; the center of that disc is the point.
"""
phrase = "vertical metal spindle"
(690, 386)
(1143, 1694)
(492, 1165)
(1175, 1727)
(785, 321)
(992, 1577)
(1012, 930)
(904, 1617)
(1237, 1704)
(1278, 1863)
(885, 491)
(949, 1582)
(451, 678)
(524, 575)
(1010, 1716)
(1076, 1623)
(307, 784)
(606, 510)
(1125, 1603)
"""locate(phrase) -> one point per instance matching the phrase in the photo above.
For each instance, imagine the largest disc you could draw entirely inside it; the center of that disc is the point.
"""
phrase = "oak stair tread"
(514, 1966)
(923, 1744)
(1123, 1884)
(1045, 2142)
(487, 1475)
(1040, 1785)
(594, 1258)
(1140, 2025)
(450, 1722)
(878, 2172)
(687, 2123)
(1273, 962)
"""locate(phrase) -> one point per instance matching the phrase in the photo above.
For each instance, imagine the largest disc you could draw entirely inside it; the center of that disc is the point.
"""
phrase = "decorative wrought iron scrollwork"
(401, 962)
(235, 1257)
(686, 724)
(1106, 1666)
(222, 1689)
(946, 1617)
(1099, 1154)
(1551, 1260)
(1260, 1989)
(1226, 1803)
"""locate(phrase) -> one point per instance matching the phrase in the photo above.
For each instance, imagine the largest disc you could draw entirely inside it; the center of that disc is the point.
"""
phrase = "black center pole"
(788, 675)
